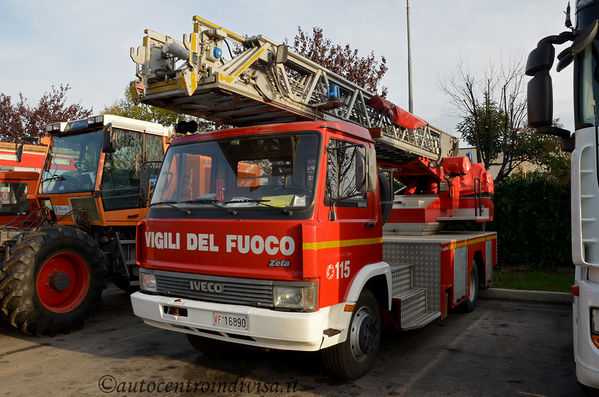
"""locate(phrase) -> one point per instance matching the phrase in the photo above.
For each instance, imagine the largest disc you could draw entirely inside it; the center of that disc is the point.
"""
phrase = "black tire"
(124, 284)
(470, 304)
(210, 347)
(353, 358)
(5, 250)
(69, 297)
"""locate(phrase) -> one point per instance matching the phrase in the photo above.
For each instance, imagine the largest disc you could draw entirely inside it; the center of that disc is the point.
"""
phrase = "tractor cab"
(93, 169)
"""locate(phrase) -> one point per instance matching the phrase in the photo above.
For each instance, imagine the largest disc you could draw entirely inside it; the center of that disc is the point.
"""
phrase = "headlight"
(301, 296)
(147, 282)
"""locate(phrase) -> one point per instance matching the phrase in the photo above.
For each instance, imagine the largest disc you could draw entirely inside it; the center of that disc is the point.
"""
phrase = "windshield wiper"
(54, 178)
(284, 210)
(211, 201)
(172, 205)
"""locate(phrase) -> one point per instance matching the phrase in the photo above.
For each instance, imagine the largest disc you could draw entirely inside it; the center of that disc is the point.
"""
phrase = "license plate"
(230, 321)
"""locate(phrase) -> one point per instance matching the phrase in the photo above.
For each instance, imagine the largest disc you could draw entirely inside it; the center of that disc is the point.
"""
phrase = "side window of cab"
(120, 181)
(346, 164)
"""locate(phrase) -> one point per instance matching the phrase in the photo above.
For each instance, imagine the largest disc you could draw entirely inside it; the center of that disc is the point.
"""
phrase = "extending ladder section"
(263, 82)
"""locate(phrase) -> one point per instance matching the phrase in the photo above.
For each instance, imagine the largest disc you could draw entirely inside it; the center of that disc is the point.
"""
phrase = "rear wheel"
(52, 281)
(470, 304)
(353, 358)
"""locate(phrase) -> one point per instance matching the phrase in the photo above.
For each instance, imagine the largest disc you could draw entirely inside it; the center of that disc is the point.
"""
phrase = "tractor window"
(72, 163)
(122, 170)
(154, 151)
(13, 198)
(343, 170)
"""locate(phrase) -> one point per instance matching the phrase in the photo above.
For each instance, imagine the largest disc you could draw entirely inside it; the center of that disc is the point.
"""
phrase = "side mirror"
(540, 59)
(361, 179)
(371, 170)
(144, 184)
(108, 145)
(19, 152)
(540, 101)
(540, 106)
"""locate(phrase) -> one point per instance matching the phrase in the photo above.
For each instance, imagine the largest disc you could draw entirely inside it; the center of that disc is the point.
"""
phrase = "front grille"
(235, 291)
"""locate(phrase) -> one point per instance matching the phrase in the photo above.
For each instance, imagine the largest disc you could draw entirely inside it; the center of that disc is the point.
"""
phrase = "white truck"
(583, 143)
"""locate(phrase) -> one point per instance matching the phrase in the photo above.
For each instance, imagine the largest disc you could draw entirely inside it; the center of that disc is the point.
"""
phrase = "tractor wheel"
(52, 281)
(353, 358)
(5, 249)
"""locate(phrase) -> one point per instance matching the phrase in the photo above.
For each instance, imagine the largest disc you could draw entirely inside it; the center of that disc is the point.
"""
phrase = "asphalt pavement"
(503, 348)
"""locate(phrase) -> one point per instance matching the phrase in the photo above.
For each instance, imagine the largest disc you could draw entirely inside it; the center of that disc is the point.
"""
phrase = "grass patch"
(559, 279)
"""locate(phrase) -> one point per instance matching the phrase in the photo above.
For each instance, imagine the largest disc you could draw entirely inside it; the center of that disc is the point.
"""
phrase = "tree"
(493, 112)
(127, 107)
(366, 72)
(19, 122)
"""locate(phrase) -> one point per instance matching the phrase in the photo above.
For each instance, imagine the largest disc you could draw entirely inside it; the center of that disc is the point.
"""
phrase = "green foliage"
(127, 107)
(486, 126)
(532, 219)
(558, 279)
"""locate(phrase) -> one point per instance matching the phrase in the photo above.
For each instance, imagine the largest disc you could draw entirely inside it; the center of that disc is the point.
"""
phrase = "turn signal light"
(575, 290)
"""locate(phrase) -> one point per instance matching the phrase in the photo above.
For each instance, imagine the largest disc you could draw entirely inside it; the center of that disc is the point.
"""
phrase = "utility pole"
(410, 98)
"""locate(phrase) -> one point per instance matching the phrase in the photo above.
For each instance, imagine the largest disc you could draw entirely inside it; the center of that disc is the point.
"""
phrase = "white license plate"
(230, 321)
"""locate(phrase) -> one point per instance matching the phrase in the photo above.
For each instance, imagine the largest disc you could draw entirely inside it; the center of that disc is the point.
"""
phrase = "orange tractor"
(89, 199)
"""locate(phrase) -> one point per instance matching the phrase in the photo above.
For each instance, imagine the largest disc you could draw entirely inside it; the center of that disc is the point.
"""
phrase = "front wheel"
(353, 358)
(52, 281)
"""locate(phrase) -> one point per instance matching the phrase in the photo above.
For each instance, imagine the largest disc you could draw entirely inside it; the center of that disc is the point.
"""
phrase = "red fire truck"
(19, 170)
(288, 233)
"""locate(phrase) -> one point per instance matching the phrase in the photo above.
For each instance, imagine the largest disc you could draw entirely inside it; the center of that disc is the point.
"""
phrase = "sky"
(86, 43)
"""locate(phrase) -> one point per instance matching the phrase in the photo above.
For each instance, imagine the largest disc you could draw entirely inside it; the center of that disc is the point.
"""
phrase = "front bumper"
(267, 328)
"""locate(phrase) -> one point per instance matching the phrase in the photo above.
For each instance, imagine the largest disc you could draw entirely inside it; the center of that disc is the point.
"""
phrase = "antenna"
(568, 20)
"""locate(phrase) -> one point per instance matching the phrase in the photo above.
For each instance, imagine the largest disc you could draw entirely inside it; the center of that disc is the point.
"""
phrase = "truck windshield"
(264, 172)
(588, 92)
(72, 163)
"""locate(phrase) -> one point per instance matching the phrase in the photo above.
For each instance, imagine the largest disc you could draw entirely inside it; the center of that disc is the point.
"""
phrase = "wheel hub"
(60, 281)
(367, 337)
(364, 335)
